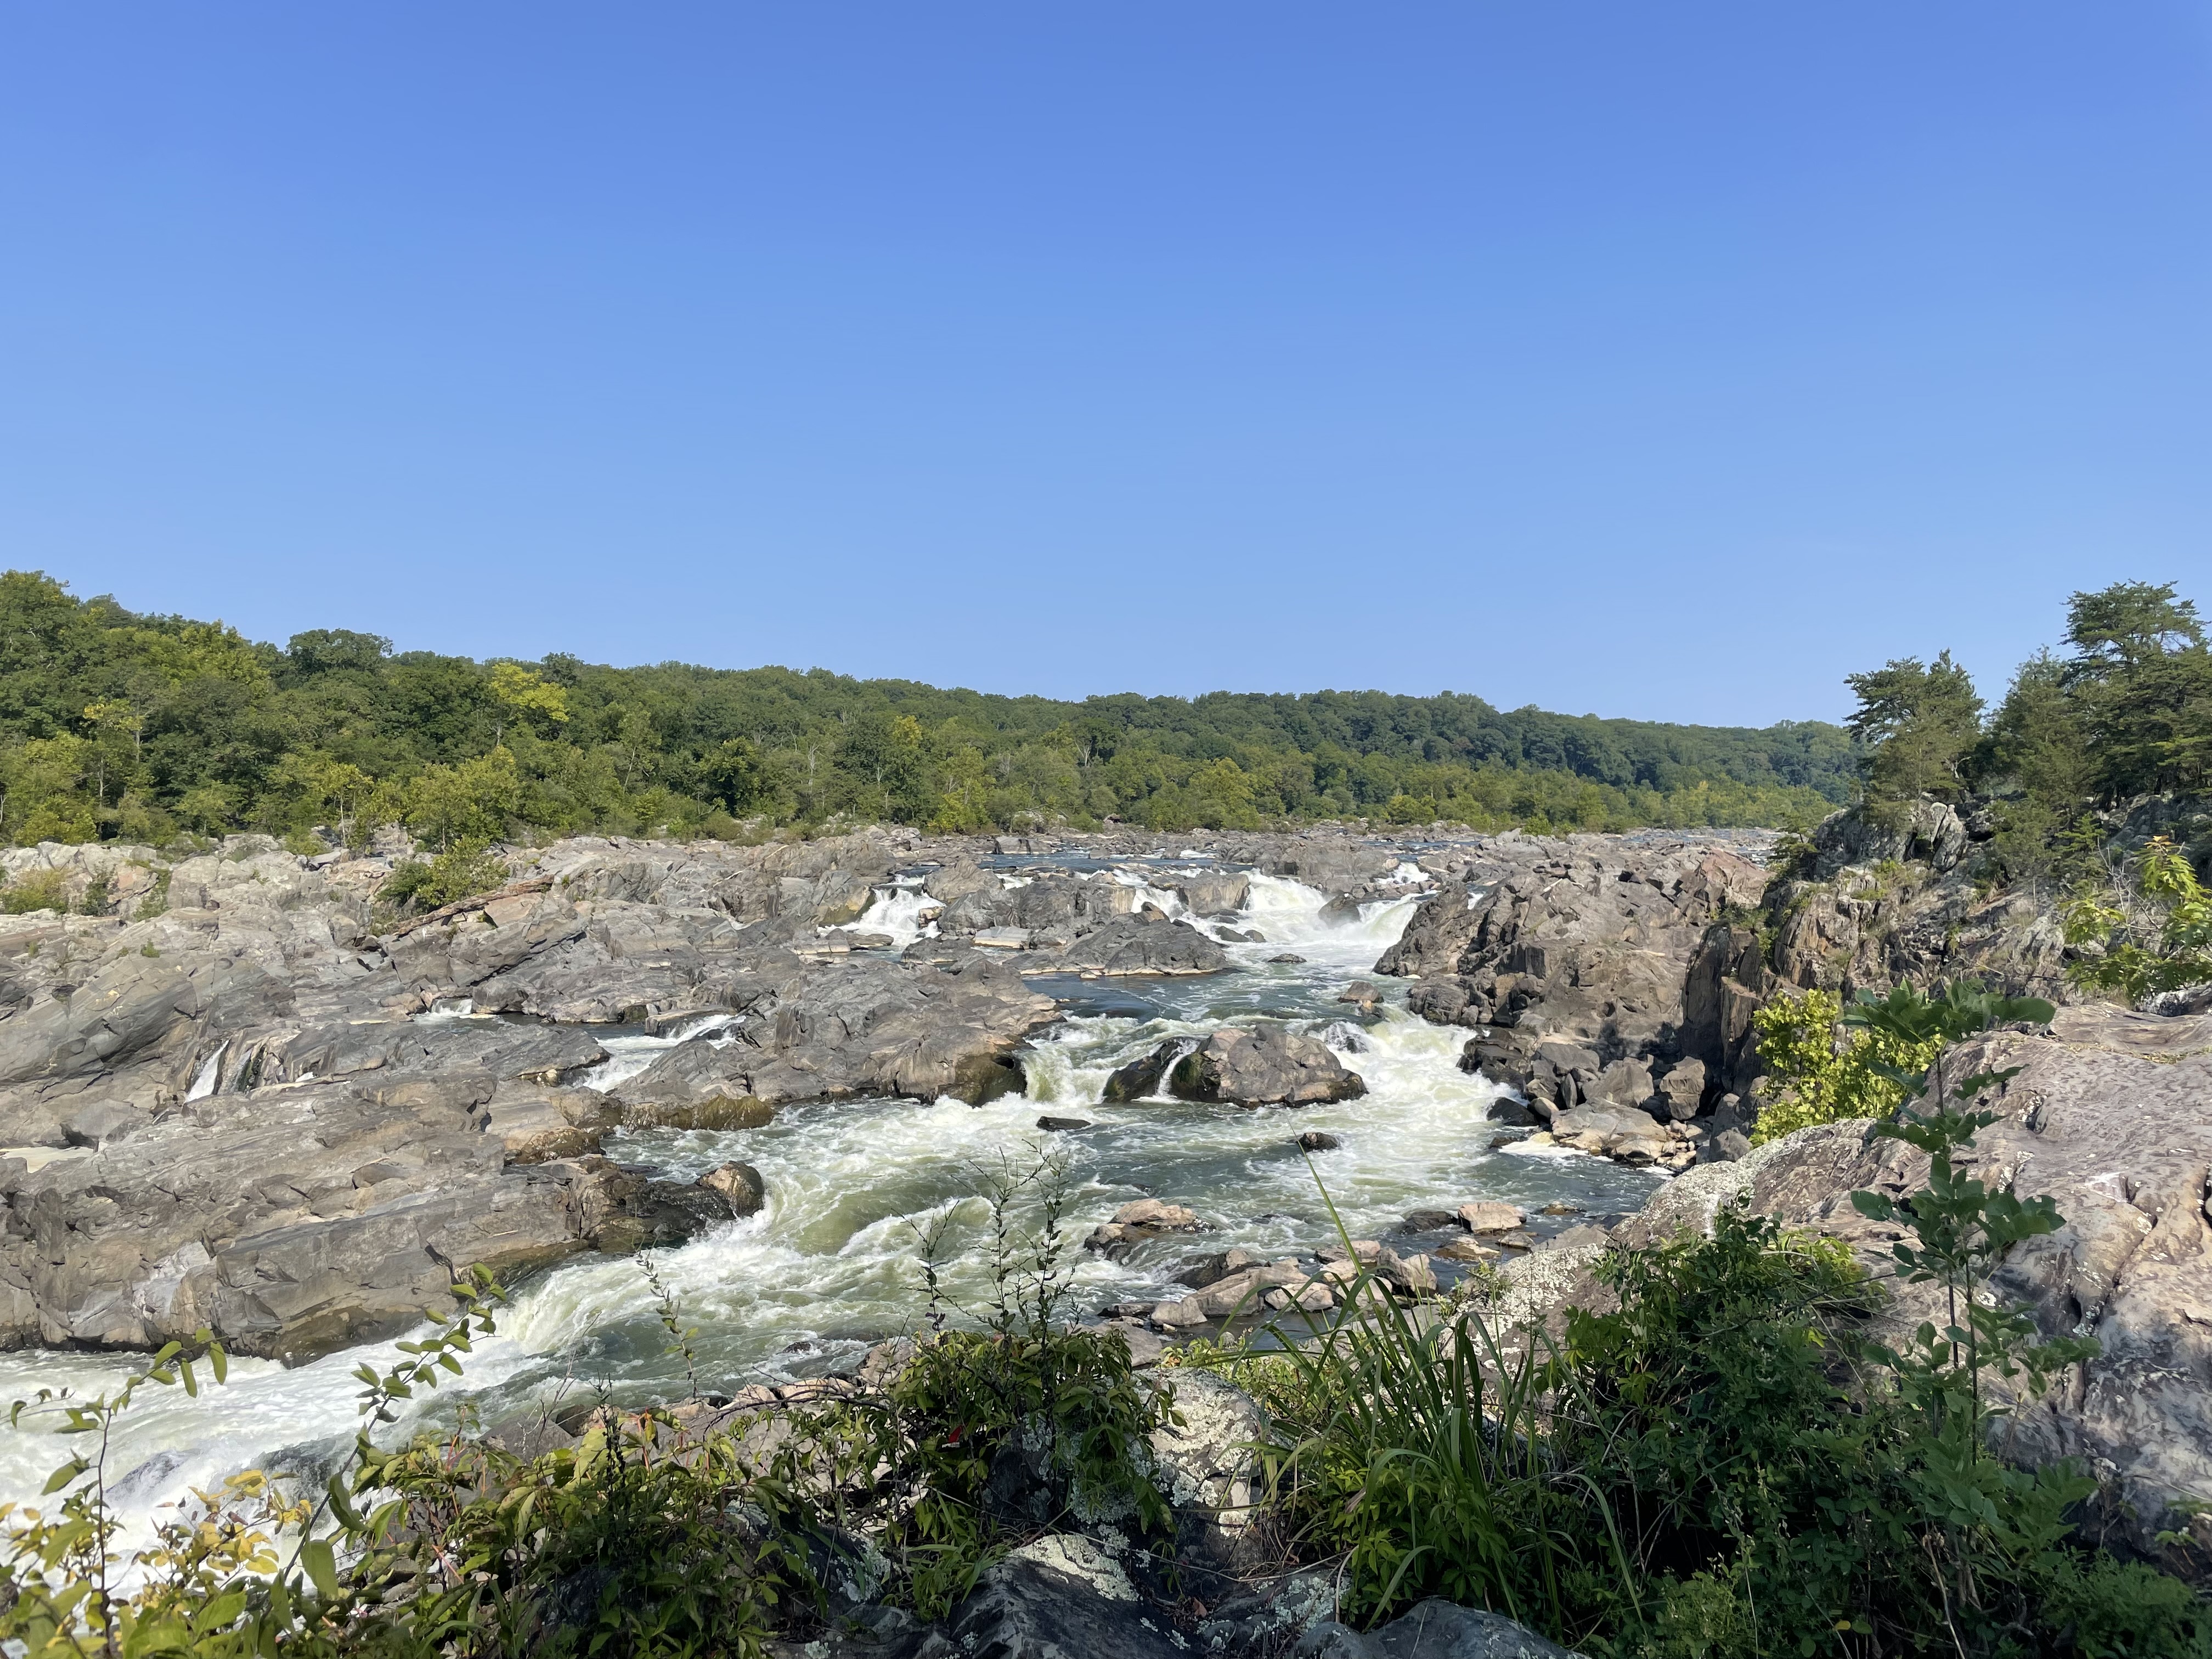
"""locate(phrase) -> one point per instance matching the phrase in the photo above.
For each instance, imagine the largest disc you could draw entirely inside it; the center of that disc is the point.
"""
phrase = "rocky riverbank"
(254, 1097)
(248, 1095)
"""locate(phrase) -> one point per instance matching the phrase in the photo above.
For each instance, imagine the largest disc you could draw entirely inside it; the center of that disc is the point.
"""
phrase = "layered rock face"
(2107, 1115)
(1881, 902)
(238, 1110)
(1572, 965)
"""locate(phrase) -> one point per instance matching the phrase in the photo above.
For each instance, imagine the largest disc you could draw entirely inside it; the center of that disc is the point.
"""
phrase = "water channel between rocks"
(831, 1264)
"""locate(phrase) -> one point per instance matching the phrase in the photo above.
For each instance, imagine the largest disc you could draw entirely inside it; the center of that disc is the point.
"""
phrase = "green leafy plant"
(1823, 1071)
(462, 871)
(2154, 934)
(36, 889)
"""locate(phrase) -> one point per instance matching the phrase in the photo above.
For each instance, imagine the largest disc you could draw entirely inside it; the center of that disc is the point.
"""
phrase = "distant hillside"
(118, 725)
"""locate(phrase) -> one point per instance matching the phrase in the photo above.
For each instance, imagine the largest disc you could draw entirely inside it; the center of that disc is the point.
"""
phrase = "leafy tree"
(209, 807)
(1917, 722)
(521, 692)
(330, 650)
(2140, 679)
(731, 774)
(472, 801)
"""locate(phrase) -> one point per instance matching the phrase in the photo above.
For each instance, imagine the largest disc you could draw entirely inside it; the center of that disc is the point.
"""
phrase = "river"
(829, 1266)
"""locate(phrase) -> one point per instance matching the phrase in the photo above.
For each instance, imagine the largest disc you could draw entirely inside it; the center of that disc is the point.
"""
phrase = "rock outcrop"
(2107, 1115)
(299, 1219)
(1264, 1064)
(265, 1125)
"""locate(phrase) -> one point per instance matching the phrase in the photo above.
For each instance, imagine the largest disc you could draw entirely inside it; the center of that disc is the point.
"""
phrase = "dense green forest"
(115, 725)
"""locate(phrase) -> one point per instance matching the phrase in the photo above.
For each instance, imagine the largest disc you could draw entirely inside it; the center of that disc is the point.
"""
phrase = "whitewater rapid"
(829, 1266)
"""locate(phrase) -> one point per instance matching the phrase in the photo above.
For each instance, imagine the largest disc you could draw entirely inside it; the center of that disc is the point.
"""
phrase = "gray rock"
(1209, 893)
(1065, 1599)
(1263, 1064)
(1143, 944)
(1683, 1089)
(1146, 1075)
(1433, 1630)
(739, 1185)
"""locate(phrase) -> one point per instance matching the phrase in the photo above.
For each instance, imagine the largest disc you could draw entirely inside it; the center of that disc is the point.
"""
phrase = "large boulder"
(299, 1219)
(1141, 944)
(1590, 940)
(847, 1028)
(1148, 1074)
(1263, 1065)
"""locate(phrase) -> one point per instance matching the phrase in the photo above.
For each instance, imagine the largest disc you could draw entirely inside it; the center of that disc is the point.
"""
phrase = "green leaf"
(62, 1476)
(321, 1563)
(342, 1505)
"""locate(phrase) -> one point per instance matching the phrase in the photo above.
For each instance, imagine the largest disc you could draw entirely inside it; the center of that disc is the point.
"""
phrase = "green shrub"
(1820, 1072)
(38, 889)
(462, 871)
(2155, 935)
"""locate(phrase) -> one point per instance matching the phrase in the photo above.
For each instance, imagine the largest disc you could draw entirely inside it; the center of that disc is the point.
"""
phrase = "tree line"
(115, 725)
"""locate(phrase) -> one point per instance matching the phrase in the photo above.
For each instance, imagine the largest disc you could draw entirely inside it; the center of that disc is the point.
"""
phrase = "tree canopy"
(118, 725)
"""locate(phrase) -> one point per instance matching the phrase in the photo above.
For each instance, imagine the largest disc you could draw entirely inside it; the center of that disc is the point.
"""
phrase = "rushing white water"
(829, 1265)
(902, 912)
(628, 1053)
(209, 1075)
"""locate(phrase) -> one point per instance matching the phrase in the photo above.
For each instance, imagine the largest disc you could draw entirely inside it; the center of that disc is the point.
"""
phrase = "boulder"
(1204, 1465)
(1135, 1224)
(1623, 1082)
(740, 1186)
(1489, 1215)
(1621, 1132)
(1683, 1089)
(1212, 892)
(1057, 1597)
(1146, 1075)
(1143, 944)
(1264, 1064)
(1318, 1140)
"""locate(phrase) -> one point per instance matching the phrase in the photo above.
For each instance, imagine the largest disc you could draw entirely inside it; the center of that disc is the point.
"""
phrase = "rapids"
(829, 1266)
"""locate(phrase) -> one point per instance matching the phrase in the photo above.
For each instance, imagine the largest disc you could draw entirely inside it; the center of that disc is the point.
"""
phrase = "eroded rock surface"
(2107, 1115)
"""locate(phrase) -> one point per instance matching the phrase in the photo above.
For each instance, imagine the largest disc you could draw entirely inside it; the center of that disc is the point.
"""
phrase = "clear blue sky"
(1663, 361)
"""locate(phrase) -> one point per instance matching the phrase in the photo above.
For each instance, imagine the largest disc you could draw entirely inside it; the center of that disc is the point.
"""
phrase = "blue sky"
(1667, 361)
